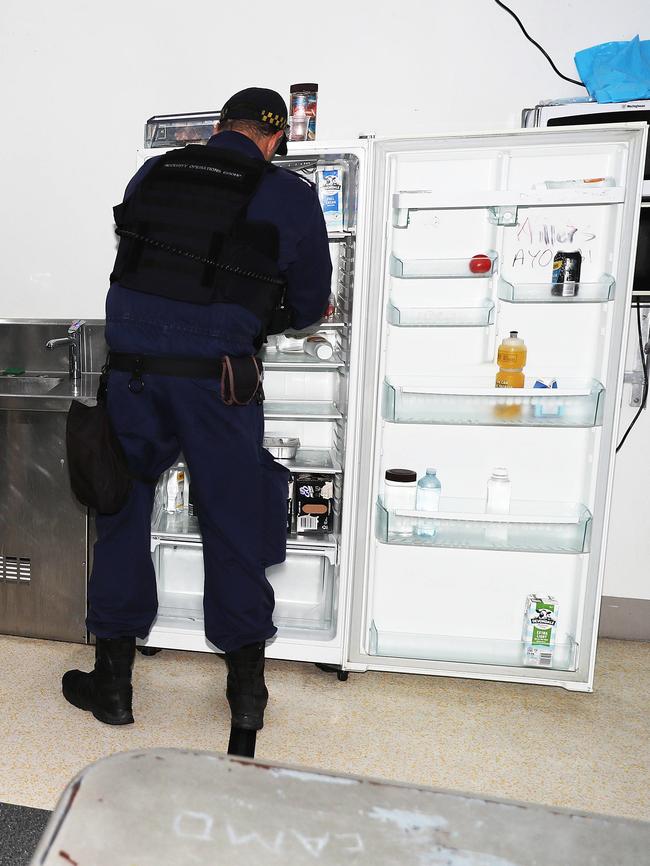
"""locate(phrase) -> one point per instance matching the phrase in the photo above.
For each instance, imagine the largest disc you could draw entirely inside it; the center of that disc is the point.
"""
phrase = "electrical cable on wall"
(645, 360)
(537, 45)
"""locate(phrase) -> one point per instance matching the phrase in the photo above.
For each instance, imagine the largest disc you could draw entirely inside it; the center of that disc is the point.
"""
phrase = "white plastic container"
(498, 492)
(318, 347)
(174, 489)
(289, 344)
(400, 492)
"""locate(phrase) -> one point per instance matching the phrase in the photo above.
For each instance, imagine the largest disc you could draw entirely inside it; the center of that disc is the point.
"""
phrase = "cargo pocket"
(275, 485)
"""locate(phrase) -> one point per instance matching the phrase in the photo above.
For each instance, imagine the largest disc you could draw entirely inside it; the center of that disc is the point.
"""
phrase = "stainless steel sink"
(26, 385)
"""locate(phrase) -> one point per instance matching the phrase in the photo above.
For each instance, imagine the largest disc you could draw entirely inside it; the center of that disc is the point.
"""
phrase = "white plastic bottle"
(498, 492)
(174, 489)
(427, 498)
(400, 488)
(319, 347)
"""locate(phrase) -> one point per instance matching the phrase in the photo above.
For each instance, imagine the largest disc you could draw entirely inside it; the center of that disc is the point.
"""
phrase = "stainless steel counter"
(39, 391)
(44, 531)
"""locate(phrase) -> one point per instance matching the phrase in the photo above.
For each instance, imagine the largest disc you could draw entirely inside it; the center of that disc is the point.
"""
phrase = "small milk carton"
(540, 630)
(330, 194)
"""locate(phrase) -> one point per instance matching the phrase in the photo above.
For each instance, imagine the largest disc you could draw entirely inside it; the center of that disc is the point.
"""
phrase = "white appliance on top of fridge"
(412, 385)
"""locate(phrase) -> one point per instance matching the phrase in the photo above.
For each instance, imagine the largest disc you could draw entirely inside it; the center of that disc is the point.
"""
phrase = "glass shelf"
(185, 528)
(298, 361)
(432, 268)
(424, 400)
(540, 293)
(313, 460)
(301, 410)
(406, 201)
(468, 650)
(531, 527)
(442, 317)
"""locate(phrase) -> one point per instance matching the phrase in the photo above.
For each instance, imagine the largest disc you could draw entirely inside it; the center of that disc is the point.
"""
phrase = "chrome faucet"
(73, 340)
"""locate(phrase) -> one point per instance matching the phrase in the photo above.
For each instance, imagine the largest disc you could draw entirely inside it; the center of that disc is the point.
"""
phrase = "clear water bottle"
(427, 498)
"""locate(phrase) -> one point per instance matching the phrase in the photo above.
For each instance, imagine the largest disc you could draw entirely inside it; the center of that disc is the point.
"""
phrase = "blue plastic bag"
(616, 71)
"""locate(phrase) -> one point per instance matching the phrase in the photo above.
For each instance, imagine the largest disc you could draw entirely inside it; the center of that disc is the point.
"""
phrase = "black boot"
(106, 691)
(246, 690)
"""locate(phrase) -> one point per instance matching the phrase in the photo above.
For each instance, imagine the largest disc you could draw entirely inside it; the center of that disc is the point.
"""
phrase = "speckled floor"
(588, 752)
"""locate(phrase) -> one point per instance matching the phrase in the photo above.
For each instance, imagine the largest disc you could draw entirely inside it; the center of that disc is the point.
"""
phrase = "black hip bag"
(99, 473)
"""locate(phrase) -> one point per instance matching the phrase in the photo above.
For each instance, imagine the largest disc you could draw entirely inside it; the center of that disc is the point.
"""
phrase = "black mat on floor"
(20, 830)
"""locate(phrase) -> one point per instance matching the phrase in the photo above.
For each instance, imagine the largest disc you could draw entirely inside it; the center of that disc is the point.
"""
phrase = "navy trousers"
(240, 492)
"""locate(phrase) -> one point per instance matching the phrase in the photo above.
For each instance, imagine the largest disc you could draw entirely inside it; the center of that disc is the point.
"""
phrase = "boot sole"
(106, 718)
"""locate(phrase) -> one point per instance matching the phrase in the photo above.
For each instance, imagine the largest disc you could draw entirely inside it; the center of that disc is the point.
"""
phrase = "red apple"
(480, 264)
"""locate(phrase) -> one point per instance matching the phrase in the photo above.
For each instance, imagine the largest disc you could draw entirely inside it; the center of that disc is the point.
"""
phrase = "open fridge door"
(465, 234)
(307, 399)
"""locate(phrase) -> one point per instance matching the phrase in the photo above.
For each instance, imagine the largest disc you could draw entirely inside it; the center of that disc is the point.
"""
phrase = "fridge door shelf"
(303, 585)
(298, 361)
(442, 317)
(301, 410)
(436, 268)
(502, 202)
(540, 293)
(469, 650)
(530, 527)
(424, 400)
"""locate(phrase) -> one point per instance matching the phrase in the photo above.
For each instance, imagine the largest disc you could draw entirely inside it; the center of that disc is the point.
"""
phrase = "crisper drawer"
(303, 584)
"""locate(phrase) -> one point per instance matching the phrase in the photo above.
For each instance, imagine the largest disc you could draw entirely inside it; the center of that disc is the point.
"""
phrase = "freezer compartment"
(471, 267)
(479, 316)
(177, 130)
(541, 293)
(304, 586)
(468, 650)
(426, 400)
(537, 527)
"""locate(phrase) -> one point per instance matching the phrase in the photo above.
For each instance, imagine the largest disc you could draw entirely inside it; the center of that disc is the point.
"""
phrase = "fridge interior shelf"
(301, 410)
(340, 236)
(423, 400)
(541, 293)
(432, 268)
(313, 460)
(469, 650)
(502, 202)
(533, 527)
(183, 528)
(442, 317)
(298, 361)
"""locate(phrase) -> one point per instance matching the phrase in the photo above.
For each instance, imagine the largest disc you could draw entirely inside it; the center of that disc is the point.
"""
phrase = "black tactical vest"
(184, 234)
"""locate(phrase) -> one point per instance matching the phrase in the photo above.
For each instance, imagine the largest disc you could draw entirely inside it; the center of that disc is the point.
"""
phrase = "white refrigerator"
(411, 385)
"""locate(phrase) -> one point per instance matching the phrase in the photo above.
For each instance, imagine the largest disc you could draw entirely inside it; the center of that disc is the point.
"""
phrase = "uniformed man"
(217, 248)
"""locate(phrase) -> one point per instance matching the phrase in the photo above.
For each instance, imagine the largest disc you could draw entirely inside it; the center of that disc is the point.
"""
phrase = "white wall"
(81, 78)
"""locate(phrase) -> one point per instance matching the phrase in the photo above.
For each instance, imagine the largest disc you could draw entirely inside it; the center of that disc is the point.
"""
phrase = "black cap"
(405, 476)
(261, 105)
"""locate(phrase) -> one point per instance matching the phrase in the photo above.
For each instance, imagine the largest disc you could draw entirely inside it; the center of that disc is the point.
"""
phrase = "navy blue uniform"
(222, 444)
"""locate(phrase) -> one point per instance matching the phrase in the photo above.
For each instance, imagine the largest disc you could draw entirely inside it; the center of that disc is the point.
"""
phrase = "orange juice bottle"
(511, 359)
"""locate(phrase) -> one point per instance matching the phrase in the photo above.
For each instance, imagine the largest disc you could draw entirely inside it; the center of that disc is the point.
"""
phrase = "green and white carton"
(540, 630)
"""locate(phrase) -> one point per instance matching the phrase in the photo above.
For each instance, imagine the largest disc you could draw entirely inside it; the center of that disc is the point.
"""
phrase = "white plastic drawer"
(303, 584)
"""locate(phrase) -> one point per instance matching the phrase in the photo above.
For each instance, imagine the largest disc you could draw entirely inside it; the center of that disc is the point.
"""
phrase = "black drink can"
(566, 274)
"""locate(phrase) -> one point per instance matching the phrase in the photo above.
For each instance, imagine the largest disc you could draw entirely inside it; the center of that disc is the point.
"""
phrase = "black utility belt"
(241, 378)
